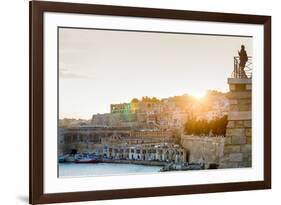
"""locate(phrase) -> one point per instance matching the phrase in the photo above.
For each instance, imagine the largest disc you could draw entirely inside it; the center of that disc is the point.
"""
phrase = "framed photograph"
(132, 102)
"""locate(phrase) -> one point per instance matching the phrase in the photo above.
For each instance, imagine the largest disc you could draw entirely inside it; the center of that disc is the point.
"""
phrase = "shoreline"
(140, 162)
(120, 161)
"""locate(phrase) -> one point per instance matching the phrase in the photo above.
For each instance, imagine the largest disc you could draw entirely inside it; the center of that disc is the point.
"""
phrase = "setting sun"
(198, 94)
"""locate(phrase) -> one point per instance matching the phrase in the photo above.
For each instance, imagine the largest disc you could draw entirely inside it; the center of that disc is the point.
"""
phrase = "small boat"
(69, 158)
(182, 167)
(86, 159)
(61, 159)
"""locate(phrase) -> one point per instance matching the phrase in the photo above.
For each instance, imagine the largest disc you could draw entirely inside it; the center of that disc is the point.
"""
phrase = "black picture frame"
(37, 9)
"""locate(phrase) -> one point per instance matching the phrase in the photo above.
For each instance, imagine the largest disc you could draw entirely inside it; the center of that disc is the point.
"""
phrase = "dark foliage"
(203, 127)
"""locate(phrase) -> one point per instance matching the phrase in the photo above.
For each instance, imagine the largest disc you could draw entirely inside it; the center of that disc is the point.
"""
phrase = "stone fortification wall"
(238, 140)
(203, 149)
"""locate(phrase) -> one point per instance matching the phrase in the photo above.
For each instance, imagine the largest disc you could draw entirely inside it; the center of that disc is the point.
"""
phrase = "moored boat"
(182, 167)
(61, 159)
(69, 158)
(86, 159)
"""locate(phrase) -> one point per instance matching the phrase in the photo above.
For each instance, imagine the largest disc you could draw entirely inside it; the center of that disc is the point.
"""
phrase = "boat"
(69, 158)
(86, 159)
(182, 167)
(61, 159)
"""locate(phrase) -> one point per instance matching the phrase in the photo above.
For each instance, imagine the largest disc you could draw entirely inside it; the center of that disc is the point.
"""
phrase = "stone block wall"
(238, 141)
(203, 149)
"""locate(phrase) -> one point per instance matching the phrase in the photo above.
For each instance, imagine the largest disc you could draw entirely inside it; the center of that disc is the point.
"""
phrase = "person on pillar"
(243, 57)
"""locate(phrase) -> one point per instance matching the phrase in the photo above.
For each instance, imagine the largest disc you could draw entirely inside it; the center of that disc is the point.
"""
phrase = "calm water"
(101, 169)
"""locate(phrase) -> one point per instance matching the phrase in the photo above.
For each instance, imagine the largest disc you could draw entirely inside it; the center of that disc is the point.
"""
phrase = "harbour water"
(103, 169)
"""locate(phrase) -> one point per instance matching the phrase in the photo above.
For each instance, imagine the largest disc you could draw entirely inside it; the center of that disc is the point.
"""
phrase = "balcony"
(240, 72)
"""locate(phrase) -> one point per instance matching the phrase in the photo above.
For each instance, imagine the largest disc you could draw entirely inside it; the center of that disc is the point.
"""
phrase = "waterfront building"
(147, 152)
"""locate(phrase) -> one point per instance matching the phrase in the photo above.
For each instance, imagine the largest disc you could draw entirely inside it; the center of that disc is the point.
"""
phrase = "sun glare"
(198, 95)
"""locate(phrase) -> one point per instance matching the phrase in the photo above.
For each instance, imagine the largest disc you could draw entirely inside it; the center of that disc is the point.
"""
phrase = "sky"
(102, 67)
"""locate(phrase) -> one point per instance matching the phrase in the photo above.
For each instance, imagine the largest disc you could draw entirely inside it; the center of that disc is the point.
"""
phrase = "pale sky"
(98, 67)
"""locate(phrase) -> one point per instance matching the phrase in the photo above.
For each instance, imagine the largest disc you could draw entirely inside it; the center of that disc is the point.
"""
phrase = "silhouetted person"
(243, 58)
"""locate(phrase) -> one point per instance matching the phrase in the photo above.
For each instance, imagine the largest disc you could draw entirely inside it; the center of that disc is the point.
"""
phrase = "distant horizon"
(102, 67)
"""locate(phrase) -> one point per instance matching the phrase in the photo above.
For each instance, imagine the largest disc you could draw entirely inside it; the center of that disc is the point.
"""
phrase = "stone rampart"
(203, 149)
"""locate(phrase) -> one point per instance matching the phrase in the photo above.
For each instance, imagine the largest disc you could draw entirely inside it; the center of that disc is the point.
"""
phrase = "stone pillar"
(238, 139)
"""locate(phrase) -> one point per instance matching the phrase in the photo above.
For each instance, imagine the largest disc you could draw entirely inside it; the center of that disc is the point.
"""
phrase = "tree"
(198, 127)
(148, 99)
(135, 101)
